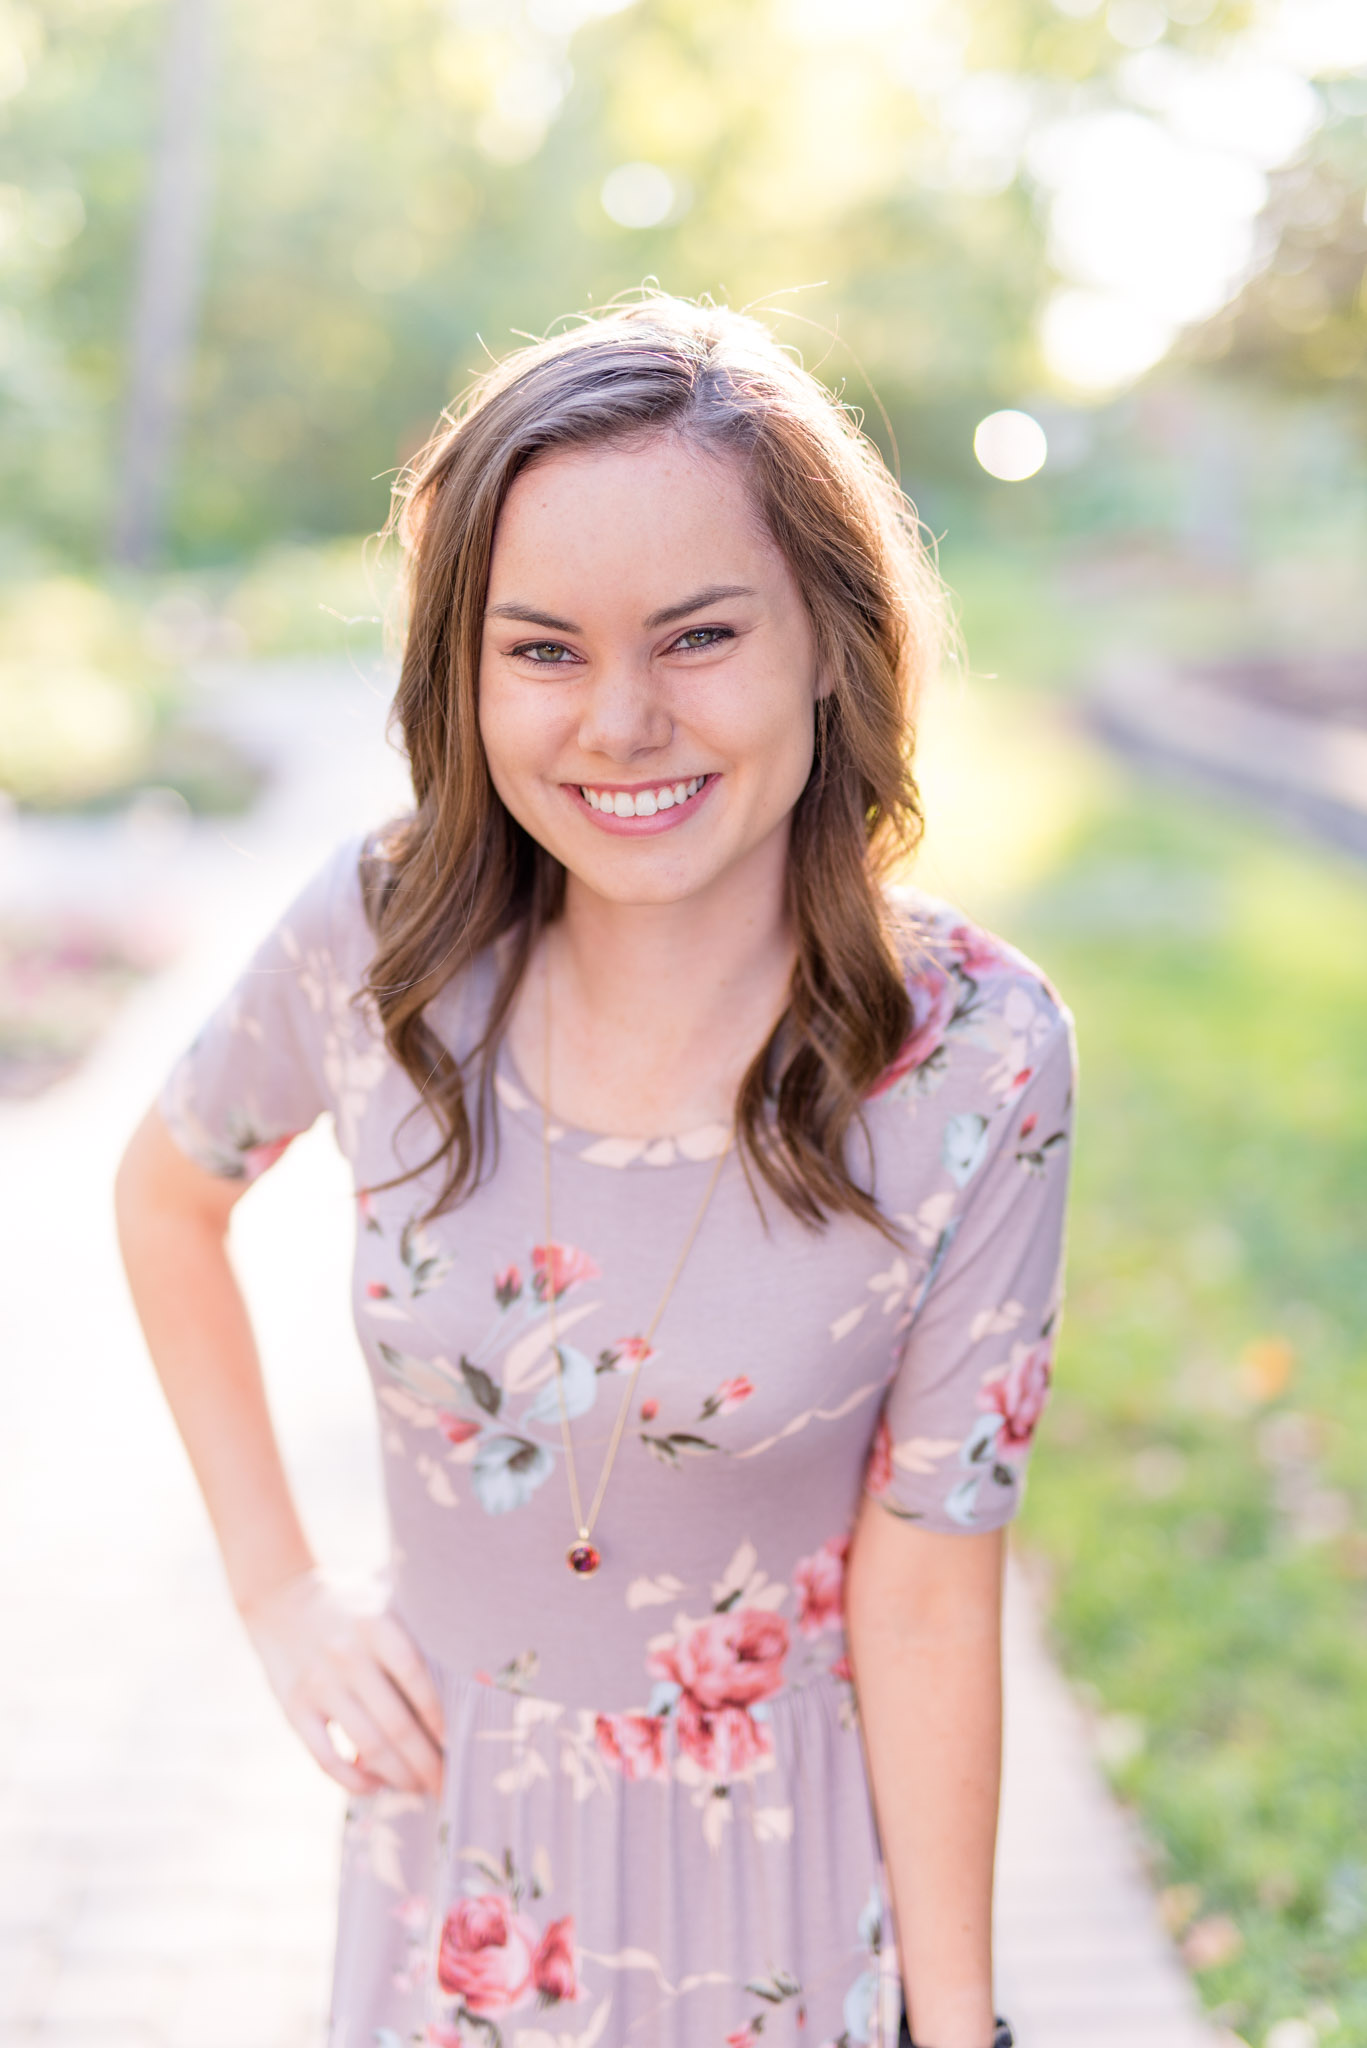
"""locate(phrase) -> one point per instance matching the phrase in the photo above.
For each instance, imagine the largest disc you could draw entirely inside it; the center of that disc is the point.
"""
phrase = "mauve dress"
(655, 1827)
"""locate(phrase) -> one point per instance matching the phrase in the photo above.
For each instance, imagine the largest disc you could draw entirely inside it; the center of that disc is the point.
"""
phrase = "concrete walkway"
(1309, 772)
(167, 1848)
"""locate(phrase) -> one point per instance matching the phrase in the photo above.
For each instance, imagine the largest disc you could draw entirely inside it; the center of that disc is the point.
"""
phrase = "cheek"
(781, 743)
(515, 732)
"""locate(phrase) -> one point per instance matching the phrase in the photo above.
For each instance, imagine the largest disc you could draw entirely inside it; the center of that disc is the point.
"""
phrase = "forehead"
(649, 510)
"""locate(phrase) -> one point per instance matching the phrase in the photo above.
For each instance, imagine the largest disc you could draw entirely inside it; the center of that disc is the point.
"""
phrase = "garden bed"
(60, 984)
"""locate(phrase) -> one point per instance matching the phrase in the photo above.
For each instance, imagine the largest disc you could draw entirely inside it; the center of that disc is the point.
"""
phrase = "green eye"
(548, 653)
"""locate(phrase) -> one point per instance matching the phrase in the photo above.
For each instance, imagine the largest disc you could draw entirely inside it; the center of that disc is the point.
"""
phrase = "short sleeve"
(974, 1377)
(258, 1073)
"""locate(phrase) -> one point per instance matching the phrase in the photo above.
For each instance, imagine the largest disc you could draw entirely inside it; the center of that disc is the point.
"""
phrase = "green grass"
(1203, 1526)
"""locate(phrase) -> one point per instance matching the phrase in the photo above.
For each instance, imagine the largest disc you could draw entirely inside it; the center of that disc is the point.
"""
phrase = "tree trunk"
(166, 296)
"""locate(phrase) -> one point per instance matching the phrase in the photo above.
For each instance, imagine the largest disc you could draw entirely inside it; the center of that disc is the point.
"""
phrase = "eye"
(544, 653)
(699, 637)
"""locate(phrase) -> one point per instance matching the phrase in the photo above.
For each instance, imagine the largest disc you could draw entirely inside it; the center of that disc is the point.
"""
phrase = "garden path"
(167, 1850)
(1306, 768)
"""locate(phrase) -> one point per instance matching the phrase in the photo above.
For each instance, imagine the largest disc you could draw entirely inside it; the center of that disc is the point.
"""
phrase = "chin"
(640, 892)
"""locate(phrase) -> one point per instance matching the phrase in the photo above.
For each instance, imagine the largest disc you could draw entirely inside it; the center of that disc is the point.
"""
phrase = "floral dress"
(655, 1825)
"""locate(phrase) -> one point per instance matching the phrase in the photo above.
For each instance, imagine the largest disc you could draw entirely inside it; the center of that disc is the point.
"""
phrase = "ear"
(825, 683)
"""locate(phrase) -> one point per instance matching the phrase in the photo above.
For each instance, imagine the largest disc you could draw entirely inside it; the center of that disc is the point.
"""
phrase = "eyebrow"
(716, 593)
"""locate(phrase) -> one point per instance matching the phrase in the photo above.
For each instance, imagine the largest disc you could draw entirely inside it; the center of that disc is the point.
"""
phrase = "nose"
(624, 714)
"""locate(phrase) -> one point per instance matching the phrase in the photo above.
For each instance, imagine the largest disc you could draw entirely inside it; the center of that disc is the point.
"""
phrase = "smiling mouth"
(644, 803)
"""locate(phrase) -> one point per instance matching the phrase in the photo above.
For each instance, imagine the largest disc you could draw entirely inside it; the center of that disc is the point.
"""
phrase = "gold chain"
(583, 1523)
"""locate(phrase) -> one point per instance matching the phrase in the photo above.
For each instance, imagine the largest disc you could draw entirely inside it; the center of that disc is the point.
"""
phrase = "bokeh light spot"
(1010, 446)
(637, 195)
(1136, 23)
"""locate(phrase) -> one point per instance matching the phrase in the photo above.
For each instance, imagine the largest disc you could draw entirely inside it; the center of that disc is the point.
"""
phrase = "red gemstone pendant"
(583, 1558)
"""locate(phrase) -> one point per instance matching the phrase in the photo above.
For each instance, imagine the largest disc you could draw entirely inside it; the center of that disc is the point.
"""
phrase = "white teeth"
(620, 803)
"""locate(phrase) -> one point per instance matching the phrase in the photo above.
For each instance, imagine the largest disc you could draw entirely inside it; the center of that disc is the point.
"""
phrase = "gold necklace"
(583, 1556)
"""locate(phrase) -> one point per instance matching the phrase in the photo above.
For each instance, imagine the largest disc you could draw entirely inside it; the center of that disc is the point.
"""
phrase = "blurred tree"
(404, 183)
(1301, 322)
(165, 300)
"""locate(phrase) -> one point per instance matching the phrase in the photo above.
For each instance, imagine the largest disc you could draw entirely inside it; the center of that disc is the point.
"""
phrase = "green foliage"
(97, 696)
(79, 693)
(398, 185)
(1201, 1496)
(1302, 322)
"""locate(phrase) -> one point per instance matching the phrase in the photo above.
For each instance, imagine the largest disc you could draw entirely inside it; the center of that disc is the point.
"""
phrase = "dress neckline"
(693, 1147)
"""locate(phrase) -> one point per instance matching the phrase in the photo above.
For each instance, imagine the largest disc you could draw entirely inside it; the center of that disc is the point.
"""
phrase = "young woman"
(710, 1204)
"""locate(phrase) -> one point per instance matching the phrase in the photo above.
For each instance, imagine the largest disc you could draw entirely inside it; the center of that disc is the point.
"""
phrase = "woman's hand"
(334, 1654)
(338, 1658)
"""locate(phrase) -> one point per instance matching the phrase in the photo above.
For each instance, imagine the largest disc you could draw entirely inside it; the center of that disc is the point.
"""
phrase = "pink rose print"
(819, 1582)
(507, 1286)
(649, 1410)
(878, 1473)
(744, 2037)
(841, 1669)
(558, 1267)
(724, 1666)
(633, 1743)
(629, 1352)
(1018, 1391)
(486, 1954)
(258, 1159)
(725, 1742)
(375, 1290)
(933, 996)
(1028, 1124)
(976, 951)
(457, 1429)
(730, 1660)
(553, 1972)
(729, 1395)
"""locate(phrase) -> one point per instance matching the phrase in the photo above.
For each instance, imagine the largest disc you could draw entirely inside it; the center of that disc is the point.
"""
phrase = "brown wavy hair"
(459, 873)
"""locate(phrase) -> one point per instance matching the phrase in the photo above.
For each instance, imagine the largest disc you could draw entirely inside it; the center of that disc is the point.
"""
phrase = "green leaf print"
(429, 1379)
(1036, 1161)
(485, 1391)
(668, 1448)
(427, 1264)
(775, 1988)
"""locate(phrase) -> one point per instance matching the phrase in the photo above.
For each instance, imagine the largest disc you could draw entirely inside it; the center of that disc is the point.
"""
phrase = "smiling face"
(648, 672)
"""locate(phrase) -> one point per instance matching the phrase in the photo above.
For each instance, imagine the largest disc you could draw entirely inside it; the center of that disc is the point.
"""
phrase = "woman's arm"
(923, 1610)
(331, 1654)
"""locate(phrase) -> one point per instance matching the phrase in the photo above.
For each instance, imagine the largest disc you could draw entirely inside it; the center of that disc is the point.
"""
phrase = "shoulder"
(326, 920)
(979, 1006)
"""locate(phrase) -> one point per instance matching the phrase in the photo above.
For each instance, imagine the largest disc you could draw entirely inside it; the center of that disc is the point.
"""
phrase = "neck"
(672, 965)
(659, 1008)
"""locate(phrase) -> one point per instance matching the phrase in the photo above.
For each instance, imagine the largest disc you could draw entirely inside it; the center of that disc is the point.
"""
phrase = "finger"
(398, 1724)
(407, 1666)
(312, 1728)
(379, 1751)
